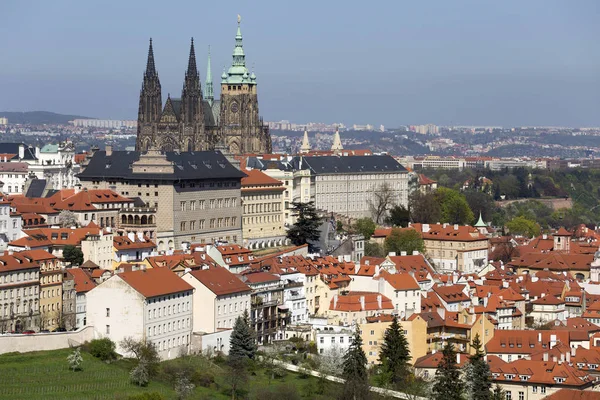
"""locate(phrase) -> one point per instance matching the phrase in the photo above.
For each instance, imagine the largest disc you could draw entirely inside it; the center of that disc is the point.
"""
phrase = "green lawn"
(45, 375)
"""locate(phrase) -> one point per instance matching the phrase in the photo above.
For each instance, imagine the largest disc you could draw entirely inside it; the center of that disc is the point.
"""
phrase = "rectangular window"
(108, 312)
(108, 329)
(182, 205)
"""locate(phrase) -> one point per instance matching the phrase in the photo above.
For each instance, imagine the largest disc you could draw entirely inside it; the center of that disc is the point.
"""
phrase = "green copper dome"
(238, 73)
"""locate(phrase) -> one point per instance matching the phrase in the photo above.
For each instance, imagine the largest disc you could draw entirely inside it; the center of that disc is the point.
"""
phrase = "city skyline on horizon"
(499, 67)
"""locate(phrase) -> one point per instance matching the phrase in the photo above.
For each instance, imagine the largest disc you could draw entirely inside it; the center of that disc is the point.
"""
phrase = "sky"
(459, 62)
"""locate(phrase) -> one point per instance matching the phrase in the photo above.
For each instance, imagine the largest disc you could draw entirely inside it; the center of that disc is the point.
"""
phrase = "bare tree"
(67, 219)
(381, 201)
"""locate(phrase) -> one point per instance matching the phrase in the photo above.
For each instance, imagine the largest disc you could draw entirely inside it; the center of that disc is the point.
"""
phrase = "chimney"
(445, 225)
(544, 236)
(562, 357)
(455, 227)
(554, 359)
(539, 337)
(425, 228)
(131, 236)
(335, 301)
(458, 358)
(392, 254)
(573, 351)
(415, 252)
(568, 357)
(362, 303)
(379, 300)
(21, 151)
(545, 357)
(552, 341)
(402, 253)
(367, 262)
(143, 267)
(504, 284)
(376, 271)
(37, 152)
(485, 301)
(109, 150)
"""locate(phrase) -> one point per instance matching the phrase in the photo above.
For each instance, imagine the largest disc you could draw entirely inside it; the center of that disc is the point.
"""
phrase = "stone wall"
(45, 341)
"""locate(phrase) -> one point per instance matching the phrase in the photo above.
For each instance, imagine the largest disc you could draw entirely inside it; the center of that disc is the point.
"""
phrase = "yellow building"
(373, 331)
(262, 215)
(51, 276)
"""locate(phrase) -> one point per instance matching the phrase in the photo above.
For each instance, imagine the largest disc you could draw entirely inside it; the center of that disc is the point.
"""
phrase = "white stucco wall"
(45, 341)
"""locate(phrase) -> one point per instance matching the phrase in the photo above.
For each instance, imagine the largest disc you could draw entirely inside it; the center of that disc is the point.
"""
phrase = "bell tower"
(150, 107)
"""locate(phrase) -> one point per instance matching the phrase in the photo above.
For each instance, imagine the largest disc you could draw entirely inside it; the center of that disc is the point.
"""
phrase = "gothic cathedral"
(198, 121)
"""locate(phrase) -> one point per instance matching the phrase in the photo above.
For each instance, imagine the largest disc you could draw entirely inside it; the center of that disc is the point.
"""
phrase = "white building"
(294, 296)
(149, 304)
(13, 176)
(333, 338)
(83, 284)
(348, 185)
(10, 223)
(220, 298)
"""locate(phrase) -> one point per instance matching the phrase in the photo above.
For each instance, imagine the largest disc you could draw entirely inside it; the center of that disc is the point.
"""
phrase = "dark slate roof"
(13, 148)
(211, 114)
(187, 165)
(349, 164)
(36, 188)
(258, 163)
(177, 106)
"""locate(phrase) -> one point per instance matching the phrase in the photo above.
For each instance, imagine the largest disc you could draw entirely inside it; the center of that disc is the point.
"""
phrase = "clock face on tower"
(234, 107)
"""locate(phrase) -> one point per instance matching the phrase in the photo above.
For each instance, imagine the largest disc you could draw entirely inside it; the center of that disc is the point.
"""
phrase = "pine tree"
(447, 384)
(242, 343)
(394, 355)
(498, 393)
(477, 374)
(307, 223)
(356, 385)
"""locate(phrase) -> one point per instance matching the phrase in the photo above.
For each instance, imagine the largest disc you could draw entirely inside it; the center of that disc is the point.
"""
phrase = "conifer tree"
(356, 386)
(307, 223)
(498, 393)
(242, 343)
(447, 384)
(395, 355)
(478, 378)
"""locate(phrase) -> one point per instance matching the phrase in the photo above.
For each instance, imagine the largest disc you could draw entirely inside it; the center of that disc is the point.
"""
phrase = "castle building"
(198, 121)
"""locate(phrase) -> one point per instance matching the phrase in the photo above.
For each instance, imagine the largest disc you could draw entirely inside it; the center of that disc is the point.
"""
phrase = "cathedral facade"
(197, 121)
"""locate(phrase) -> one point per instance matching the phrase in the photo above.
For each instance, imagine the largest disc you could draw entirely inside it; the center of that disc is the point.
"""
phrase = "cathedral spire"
(238, 73)
(150, 67)
(305, 148)
(337, 141)
(208, 86)
(192, 69)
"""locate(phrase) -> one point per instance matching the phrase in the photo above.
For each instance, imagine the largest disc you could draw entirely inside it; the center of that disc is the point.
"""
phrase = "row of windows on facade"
(19, 277)
(168, 327)
(262, 219)
(232, 308)
(262, 207)
(12, 293)
(164, 311)
(17, 308)
(182, 185)
(322, 340)
(50, 307)
(194, 205)
(54, 278)
(213, 223)
(211, 240)
(9, 189)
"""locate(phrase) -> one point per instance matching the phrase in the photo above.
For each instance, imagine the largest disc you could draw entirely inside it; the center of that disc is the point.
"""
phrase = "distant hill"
(38, 117)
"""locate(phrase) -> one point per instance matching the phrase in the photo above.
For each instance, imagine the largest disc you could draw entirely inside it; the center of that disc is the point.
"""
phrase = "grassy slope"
(45, 375)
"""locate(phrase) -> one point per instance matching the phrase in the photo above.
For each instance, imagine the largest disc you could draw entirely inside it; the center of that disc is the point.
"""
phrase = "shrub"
(103, 349)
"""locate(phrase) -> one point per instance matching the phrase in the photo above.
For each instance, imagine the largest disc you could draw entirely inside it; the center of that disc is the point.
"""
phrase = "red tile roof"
(220, 281)
(570, 394)
(258, 277)
(41, 237)
(154, 282)
(256, 177)
(124, 243)
(400, 281)
(352, 302)
(83, 280)
(23, 260)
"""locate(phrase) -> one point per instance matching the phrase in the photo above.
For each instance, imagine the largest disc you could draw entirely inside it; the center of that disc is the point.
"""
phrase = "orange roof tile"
(220, 281)
(154, 282)
(351, 301)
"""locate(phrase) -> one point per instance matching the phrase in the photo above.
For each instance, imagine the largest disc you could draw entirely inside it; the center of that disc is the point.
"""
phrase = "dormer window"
(558, 379)
(508, 376)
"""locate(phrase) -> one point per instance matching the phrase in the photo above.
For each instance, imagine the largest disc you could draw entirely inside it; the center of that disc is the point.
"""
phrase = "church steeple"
(150, 67)
(337, 141)
(208, 86)
(305, 148)
(192, 69)
(238, 73)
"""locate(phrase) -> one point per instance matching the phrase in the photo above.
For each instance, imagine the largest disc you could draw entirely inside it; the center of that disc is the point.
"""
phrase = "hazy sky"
(509, 62)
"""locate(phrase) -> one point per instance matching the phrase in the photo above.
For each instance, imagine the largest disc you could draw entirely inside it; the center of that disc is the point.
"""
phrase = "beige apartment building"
(262, 210)
(51, 276)
(373, 332)
(196, 194)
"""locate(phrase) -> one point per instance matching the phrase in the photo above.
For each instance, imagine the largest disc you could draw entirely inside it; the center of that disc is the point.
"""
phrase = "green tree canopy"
(242, 343)
(354, 371)
(478, 378)
(365, 226)
(399, 216)
(72, 255)
(373, 249)
(404, 239)
(424, 208)
(523, 226)
(447, 384)
(395, 355)
(307, 224)
(454, 207)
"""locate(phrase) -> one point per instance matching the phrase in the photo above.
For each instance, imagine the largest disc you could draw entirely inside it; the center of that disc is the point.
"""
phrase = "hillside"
(38, 117)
